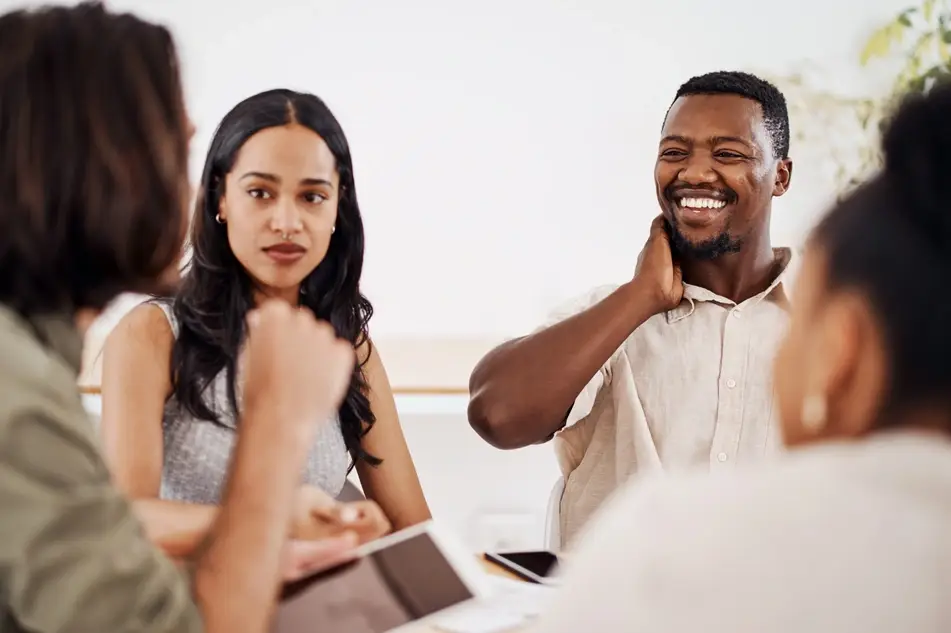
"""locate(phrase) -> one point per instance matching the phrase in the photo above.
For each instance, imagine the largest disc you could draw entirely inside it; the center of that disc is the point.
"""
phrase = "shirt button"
(721, 457)
(730, 383)
(737, 314)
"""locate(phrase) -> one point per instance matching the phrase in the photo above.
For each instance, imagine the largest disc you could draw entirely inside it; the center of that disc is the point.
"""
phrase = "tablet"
(398, 579)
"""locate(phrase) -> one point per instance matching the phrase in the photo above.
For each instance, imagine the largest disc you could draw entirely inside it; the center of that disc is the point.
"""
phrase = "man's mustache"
(727, 194)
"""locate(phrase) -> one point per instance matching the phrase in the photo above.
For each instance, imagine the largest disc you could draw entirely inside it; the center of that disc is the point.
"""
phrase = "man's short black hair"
(731, 82)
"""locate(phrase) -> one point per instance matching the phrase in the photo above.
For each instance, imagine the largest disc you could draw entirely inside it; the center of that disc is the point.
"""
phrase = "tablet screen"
(388, 587)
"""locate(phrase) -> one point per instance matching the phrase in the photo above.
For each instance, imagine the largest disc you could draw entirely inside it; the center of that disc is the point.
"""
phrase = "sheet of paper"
(510, 605)
(478, 621)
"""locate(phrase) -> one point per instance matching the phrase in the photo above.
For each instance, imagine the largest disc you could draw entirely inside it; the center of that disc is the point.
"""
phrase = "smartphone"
(537, 566)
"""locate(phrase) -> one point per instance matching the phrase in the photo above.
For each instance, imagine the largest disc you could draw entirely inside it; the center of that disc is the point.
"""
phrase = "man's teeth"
(701, 203)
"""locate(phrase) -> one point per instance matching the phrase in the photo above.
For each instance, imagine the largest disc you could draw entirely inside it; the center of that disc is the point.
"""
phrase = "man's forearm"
(523, 390)
(238, 573)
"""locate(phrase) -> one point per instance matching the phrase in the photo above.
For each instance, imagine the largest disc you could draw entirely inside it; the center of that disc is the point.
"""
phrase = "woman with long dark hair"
(276, 217)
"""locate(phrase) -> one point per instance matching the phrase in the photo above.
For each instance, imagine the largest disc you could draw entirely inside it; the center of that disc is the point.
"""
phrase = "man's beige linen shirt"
(691, 387)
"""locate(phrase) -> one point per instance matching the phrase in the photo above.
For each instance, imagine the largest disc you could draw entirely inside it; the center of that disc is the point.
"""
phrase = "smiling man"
(671, 370)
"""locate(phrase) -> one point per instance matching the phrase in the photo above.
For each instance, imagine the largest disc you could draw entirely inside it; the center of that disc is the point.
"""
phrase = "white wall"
(504, 150)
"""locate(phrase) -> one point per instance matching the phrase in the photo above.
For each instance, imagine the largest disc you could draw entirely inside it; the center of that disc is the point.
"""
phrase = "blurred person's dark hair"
(93, 158)
(891, 240)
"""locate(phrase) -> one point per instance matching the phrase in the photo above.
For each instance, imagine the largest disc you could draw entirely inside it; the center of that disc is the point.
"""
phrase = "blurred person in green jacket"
(93, 193)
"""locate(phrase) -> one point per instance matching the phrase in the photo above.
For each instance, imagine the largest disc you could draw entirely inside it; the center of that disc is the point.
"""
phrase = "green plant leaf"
(927, 79)
(923, 46)
(879, 43)
(917, 84)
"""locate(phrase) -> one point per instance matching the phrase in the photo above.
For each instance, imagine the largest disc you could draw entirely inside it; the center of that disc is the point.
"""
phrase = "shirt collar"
(780, 291)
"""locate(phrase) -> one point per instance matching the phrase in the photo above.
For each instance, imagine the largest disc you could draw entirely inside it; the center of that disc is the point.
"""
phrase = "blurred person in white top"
(850, 529)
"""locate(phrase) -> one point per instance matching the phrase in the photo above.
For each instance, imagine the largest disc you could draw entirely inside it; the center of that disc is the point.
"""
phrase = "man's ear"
(783, 177)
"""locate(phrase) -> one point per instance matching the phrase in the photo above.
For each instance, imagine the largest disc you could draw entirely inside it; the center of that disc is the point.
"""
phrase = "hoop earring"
(814, 413)
(219, 219)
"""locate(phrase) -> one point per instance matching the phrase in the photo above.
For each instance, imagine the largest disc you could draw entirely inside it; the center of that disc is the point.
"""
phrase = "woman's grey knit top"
(198, 453)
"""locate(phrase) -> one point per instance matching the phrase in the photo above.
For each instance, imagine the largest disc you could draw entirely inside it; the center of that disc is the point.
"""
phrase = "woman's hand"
(304, 558)
(317, 516)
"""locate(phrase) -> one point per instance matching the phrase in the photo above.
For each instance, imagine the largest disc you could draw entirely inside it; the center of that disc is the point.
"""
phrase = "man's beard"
(722, 244)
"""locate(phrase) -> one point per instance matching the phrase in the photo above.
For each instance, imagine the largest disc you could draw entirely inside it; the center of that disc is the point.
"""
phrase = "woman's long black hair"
(216, 292)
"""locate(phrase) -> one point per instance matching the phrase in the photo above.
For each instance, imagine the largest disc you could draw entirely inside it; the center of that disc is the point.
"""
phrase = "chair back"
(553, 518)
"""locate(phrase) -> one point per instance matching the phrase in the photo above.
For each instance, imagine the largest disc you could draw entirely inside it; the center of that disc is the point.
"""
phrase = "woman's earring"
(333, 228)
(219, 219)
(814, 412)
